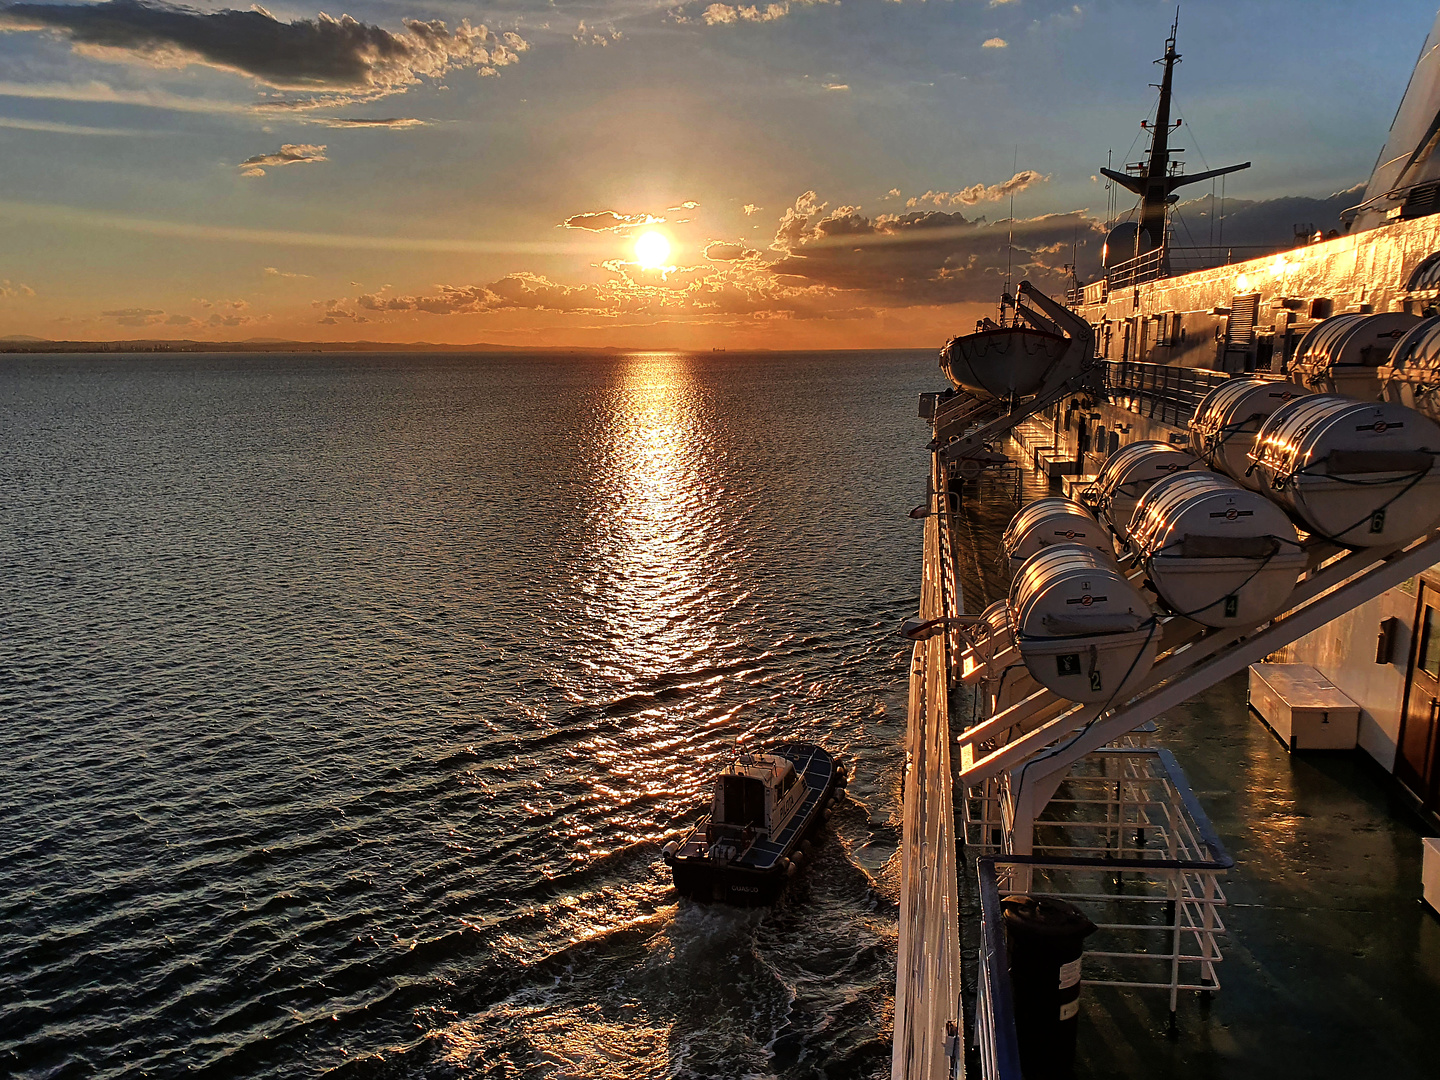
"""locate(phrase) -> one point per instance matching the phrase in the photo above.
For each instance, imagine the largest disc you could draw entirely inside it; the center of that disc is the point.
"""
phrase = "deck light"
(918, 629)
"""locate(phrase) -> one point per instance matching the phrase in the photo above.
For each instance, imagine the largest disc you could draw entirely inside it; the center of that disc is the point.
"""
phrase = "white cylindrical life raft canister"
(1343, 354)
(1223, 431)
(986, 642)
(1052, 521)
(1216, 552)
(1083, 630)
(1413, 373)
(1360, 473)
(1128, 475)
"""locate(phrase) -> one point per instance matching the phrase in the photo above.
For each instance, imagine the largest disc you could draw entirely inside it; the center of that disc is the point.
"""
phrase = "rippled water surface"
(347, 701)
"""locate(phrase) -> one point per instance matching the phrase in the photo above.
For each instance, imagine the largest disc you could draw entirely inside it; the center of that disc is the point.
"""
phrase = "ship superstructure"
(1029, 742)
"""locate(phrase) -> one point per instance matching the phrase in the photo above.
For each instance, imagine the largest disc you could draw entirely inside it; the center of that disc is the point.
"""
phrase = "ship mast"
(1155, 182)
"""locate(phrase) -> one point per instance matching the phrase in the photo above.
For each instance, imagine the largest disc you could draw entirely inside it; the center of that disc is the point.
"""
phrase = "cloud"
(271, 271)
(135, 316)
(751, 209)
(72, 217)
(12, 290)
(688, 204)
(925, 257)
(320, 54)
(288, 154)
(609, 221)
(893, 193)
(725, 15)
(724, 251)
(590, 36)
(1267, 222)
(58, 128)
(823, 264)
(837, 86)
(995, 43)
(999, 3)
(978, 193)
(392, 122)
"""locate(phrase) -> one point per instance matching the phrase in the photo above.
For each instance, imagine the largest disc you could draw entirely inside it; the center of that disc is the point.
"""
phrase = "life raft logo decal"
(1231, 514)
(1379, 427)
(1087, 600)
(1069, 534)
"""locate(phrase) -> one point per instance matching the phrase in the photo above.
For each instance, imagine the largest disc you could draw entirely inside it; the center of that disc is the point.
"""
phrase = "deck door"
(1418, 763)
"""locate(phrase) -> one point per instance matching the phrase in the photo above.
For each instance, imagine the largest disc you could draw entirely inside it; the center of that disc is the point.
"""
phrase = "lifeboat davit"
(1083, 630)
(1216, 552)
(1009, 362)
(1228, 419)
(1360, 473)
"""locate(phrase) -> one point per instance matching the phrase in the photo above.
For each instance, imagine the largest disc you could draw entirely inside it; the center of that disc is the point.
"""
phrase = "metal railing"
(1172, 261)
(1161, 392)
(1149, 880)
(927, 969)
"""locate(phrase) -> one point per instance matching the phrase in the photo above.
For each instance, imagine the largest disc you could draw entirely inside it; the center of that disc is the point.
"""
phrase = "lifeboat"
(1359, 473)
(1223, 431)
(1128, 475)
(1216, 552)
(1009, 362)
(1048, 521)
(1083, 630)
(1413, 375)
(1342, 354)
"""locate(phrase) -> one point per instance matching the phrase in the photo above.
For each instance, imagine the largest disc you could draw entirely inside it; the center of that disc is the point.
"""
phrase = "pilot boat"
(765, 805)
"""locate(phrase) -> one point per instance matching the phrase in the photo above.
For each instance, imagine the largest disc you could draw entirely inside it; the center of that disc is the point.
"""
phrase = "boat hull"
(760, 874)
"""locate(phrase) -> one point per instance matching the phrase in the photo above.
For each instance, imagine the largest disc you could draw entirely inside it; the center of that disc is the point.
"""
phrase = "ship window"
(1426, 275)
(1429, 646)
(744, 801)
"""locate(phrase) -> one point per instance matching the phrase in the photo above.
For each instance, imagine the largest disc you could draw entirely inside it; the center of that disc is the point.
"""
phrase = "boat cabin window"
(787, 781)
(744, 801)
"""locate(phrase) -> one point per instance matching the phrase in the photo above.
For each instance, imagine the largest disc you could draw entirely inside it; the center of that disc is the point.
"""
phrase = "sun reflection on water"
(652, 573)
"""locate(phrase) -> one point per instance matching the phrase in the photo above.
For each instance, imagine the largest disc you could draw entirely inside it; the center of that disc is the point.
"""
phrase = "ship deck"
(1332, 963)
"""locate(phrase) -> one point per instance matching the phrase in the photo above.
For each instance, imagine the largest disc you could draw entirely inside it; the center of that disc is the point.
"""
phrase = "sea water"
(346, 701)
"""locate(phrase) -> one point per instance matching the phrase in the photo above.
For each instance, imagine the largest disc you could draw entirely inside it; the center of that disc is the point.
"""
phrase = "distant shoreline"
(35, 346)
(13, 345)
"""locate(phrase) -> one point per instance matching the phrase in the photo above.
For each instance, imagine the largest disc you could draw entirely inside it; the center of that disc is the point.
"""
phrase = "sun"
(652, 250)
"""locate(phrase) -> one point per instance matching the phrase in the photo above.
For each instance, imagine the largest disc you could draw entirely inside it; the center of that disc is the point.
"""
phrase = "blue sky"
(196, 172)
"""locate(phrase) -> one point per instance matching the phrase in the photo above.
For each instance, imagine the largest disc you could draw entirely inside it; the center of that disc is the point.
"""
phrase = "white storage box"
(1303, 707)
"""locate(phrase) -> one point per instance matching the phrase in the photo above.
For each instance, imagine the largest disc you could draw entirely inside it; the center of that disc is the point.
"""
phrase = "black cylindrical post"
(1045, 937)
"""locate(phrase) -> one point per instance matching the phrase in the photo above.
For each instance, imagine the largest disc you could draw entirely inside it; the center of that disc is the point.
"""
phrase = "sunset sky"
(826, 174)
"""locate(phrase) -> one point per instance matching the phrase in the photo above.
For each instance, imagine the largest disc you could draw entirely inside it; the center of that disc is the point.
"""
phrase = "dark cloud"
(1263, 223)
(323, 53)
(609, 221)
(521, 290)
(926, 257)
(288, 154)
